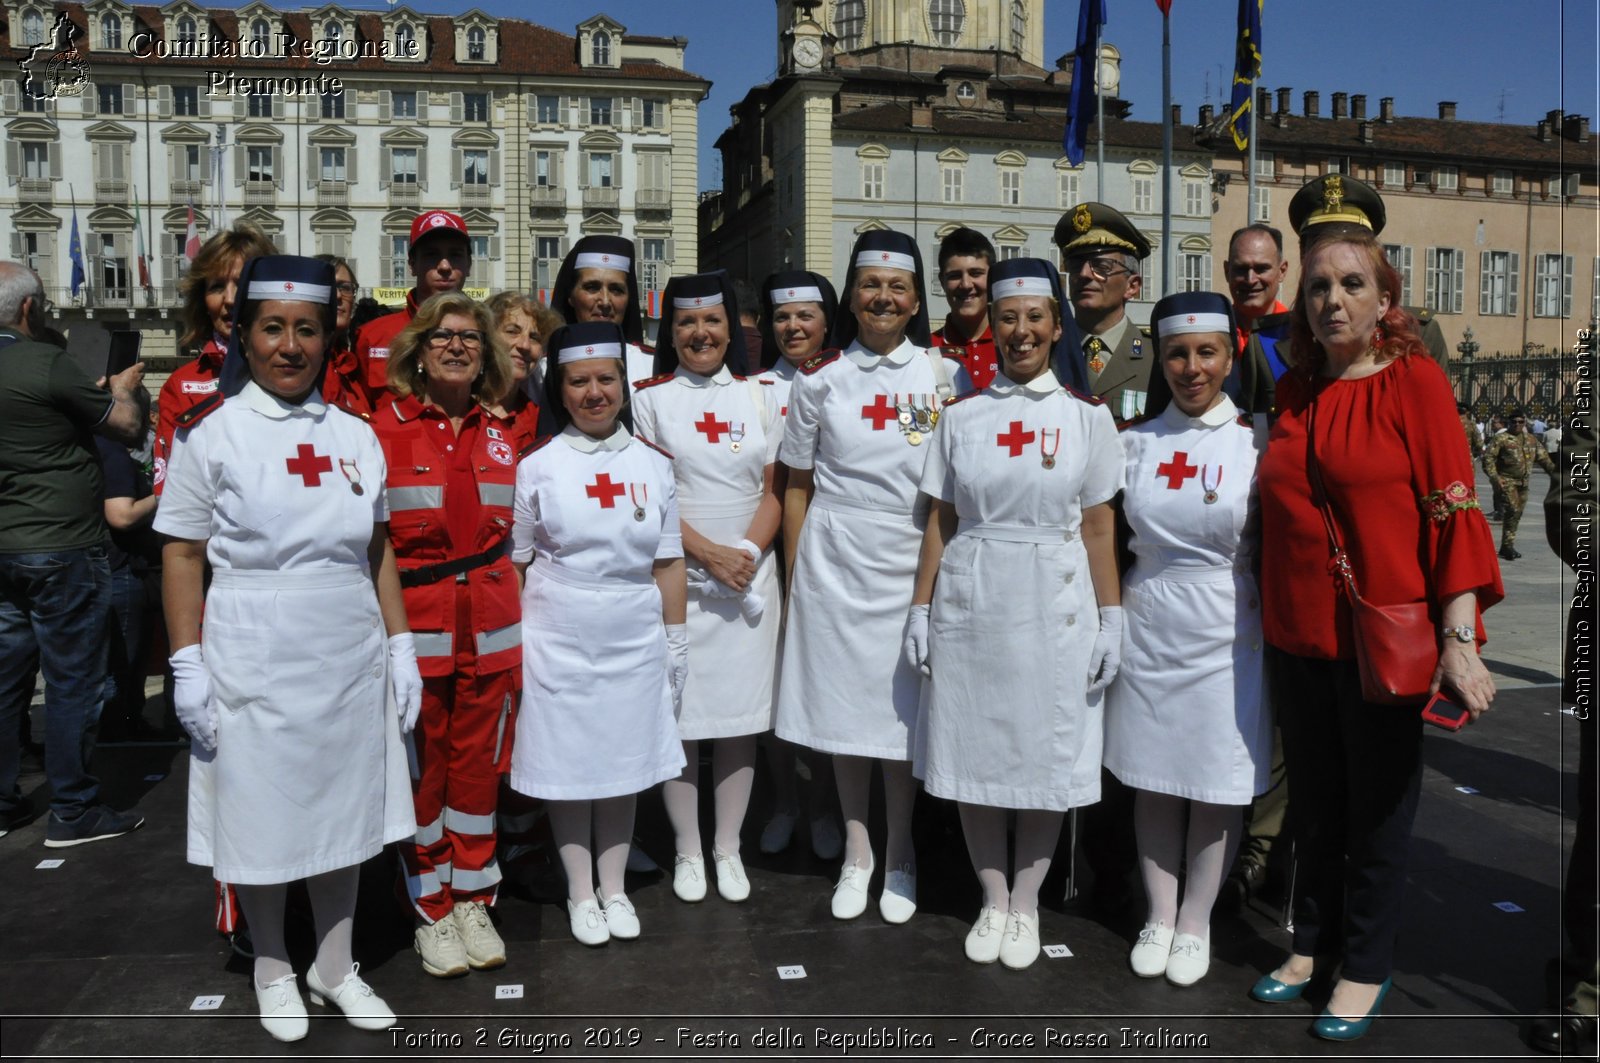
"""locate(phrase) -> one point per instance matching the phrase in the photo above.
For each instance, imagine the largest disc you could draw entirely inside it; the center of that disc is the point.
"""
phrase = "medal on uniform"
(351, 473)
(736, 435)
(914, 438)
(1210, 495)
(638, 497)
(903, 411)
(1048, 457)
(1096, 345)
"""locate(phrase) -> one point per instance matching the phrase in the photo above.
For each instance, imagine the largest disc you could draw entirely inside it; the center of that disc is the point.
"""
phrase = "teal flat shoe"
(1269, 990)
(1330, 1027)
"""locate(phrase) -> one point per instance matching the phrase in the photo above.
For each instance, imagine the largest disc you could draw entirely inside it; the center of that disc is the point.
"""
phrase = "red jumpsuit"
(187, 387)
(450, 500)
(344, 384)
(372, 348)
(978, 356)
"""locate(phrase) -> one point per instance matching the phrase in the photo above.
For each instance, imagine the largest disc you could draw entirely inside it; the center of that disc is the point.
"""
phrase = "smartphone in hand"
(1444, 713)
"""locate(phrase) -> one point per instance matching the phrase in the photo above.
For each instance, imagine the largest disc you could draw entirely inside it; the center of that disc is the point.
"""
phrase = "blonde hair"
(244, 242)
(494, 382)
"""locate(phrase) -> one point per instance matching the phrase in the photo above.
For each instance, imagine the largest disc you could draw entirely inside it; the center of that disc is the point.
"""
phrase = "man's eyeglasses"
(1103, 267)
(345, 288)
(471, 339)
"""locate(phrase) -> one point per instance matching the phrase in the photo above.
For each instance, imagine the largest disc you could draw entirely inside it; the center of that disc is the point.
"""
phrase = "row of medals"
(916, 420)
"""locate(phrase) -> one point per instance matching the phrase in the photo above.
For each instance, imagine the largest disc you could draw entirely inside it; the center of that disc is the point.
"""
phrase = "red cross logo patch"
(288, 286)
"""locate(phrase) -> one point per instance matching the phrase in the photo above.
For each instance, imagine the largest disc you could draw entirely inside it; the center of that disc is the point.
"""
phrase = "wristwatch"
(1464, 633)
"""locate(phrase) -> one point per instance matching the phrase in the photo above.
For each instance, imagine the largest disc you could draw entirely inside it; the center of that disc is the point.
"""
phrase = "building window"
(1266, 166)
(475, 166)
(404, 164)
(965, 91)
(653, 265)
(1194, 198)
(1144, 194)
(476, 106)
(871, 179)
(1501, 183)
(1337, 164)
(599, 110)
(544, 175)
(188, 33)
(477, 44)
(113, 269)
(1497, 282)
(1008, 252)
(850, 23)
(405, 40)
(34, 95)
(1446, 178)
(1011, 187)
(36, 252)
(1552, 296)
(1423, 176)
(398, 269)
(110, 98)
(258, 164)
(332, 164)
(546, 260)
(260, 38)
(259, 105)
(479, 247)
(1263, 206)
(946, 18)
(35, 161)
(653, 115)
(403, 104)
(952, 180)
(333, 33)
(32, 28)
(333, 105)
(189, 164)
(1194, 272)
(186, 101)
(601, 174)
(600, 49)
(1446, 269)
(1394, 174)
(548, 109)
(110, 31)
(1019, 25)
(1399, 256)
(1067, 188)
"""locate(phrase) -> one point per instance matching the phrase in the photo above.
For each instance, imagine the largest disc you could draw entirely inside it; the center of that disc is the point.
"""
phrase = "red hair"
(1398, 333)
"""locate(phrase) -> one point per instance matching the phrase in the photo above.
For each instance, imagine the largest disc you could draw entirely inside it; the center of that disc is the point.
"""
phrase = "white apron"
(845, 686)
(1186, 715)
(732, 661)
(597, 715)
(1008, 721)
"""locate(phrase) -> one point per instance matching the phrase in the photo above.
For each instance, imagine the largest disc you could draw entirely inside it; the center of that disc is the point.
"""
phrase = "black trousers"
(1357, 771)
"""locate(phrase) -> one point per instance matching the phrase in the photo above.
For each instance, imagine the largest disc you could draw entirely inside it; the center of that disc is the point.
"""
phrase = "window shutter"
(16, 247)
(130, 94)
(558, 168)
(90, 96)
(565, 246)
(240, 105)
(1460, 280)
(422, 168)
(13, 161)
(314, 170)
(583, 170)
(422, 105)
(164, 101)
(1430, 279)
(457, 108)
(277, 107)
(385, 167)
(494, 166)
(1485, 284)
(238, 164)
(565, 111)
(13, 96)
(456, 165)
(1513, 283)
(277, 165)
(1566, 285)
(97, 161)
(672, 249)
(1405, 278)
(530, 108)
(350, 165)
(494, 248)
(175, 163)
(638, 113)
(385, 105)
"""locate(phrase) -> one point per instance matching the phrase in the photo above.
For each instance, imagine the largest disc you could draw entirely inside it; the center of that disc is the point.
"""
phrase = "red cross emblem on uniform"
(604, 491)
(1177, 470)
(1015, 439)
(712, 427)
(879, 413)
(309, 465)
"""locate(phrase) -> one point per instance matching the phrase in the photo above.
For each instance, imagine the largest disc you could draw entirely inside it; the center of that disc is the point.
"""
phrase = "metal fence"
(1542, 385)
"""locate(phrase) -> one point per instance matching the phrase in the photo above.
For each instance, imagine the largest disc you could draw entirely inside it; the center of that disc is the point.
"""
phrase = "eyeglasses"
(470, 338)
(345, 288)
(1103, 268)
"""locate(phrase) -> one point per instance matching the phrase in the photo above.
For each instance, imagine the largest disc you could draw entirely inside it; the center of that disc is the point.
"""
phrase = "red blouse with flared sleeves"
(1400, 481)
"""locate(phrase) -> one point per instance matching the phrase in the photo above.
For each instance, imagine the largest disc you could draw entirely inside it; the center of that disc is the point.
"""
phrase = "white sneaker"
(898, 901)
(621, 919)
(826, 841)
(283, 1013)
(850, 892)
(1149, 956)
(588, 922)
(1190, 958)
(362, 1008)
(444, 954)
(689, 878)
(732, 885)
(983, 940)
(1019, 945)
(778, 833)
(485, 949)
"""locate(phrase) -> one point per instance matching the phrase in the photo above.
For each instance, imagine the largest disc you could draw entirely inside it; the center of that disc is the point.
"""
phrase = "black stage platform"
(104, 955)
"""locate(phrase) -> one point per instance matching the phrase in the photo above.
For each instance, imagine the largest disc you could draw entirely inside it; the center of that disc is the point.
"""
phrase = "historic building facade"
(329, 129)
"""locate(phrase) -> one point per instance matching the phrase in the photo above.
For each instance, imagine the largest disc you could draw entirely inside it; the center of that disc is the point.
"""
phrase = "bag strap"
(760, 401)
(1340, 563)
(941, 375)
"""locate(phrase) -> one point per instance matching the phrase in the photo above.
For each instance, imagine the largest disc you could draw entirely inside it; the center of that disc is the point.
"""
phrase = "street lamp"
(1468, 347)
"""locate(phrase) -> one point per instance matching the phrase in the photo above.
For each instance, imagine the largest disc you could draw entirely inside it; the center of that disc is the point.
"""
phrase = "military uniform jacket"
(1123, 384)
(1512, 455)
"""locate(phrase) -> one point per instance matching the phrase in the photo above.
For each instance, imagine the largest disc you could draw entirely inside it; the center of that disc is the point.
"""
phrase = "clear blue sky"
(1511, 59)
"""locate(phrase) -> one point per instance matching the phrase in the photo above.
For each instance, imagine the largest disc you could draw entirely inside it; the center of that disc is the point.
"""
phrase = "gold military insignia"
(1333, 193)
(1081, 219)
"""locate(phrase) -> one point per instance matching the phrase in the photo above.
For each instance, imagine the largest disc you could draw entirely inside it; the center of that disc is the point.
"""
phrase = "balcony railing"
(35, 190)
(404, 194)
(548, 196)
(601, 199)
(333, 193)
(653, 199)
(260, 193)
(182, 191)
(477, 195)
(111, 192)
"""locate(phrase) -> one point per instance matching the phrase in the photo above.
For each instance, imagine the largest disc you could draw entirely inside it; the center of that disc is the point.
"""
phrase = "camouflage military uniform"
(1509, 461)
(1474, 437)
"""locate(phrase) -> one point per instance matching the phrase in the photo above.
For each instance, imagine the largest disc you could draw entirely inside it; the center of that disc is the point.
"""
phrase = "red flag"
(1165, 6)
(191, 240)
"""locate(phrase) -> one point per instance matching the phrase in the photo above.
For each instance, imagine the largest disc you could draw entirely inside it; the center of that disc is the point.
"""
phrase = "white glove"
(708, 586)
(404, 679)
(1107, 655)
(192, 698)
(750, 548)
(677, 659)
(915, 646)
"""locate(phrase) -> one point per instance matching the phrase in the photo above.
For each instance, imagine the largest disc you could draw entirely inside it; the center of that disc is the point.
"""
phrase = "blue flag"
(1246, 68)
(75, 250)
(1085, 75)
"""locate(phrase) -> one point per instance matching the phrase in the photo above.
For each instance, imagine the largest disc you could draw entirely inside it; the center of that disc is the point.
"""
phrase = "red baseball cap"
(433, 221)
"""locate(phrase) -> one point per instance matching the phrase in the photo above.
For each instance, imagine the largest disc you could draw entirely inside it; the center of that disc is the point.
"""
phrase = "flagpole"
(1099, 117)
(1166, 152)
